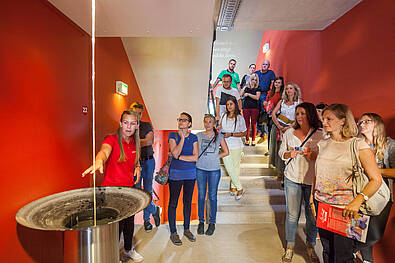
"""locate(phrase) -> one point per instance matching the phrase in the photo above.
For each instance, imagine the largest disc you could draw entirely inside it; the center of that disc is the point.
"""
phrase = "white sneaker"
(136, 257)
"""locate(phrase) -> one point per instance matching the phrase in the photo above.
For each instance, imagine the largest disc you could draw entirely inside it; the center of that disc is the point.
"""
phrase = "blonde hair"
(249, 83)
(379, 134)
(342, 111)
(136, 139)
(297, 94)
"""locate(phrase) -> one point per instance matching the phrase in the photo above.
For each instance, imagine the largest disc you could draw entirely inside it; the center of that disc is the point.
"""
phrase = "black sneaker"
(200, 230)
(175, 238)
(188, 234)
(156, 216)
(147, 226)
(210, 229)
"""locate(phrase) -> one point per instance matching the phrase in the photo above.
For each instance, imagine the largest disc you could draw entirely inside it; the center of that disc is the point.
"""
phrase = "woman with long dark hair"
(233, 127)
(372, 130)
(182, 174)
(208, 171)
(272, 99)
(120, 152)
(299, 175)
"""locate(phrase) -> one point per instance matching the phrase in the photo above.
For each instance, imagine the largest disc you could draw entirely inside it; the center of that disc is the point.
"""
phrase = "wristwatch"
(231, 134)
(364, 196)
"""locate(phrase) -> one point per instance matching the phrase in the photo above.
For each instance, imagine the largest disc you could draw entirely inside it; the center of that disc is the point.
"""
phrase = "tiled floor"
(230, 244)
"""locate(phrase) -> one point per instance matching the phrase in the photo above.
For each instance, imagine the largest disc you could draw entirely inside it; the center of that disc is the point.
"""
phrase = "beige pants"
(232, 165)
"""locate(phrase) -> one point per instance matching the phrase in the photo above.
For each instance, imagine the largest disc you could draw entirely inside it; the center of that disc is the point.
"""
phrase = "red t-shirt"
(119, 173)
(272, 102)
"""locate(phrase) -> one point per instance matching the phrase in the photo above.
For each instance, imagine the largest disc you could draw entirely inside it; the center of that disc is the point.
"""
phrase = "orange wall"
(45, 80)
(351, 62)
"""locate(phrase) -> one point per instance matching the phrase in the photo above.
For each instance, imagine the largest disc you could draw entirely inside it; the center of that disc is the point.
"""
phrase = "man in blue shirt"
(266, 77)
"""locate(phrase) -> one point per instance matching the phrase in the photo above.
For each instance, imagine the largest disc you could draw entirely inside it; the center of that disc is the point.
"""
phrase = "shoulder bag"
(162, 176)
(378, 200)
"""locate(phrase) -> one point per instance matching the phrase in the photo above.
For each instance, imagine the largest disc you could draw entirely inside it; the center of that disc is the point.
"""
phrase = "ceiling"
(290, 14)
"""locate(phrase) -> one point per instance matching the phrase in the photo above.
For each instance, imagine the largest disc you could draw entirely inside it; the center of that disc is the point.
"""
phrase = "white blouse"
(300, 170)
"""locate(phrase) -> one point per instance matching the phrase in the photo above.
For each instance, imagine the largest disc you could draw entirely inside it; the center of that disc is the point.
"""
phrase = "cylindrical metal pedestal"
(92, 245)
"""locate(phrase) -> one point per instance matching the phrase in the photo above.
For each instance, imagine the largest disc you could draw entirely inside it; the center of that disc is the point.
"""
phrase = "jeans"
(175, 190)
(147, 174)
(232, 165)
(210, 178)
(294, 194)
(127, 227)
(250, 115)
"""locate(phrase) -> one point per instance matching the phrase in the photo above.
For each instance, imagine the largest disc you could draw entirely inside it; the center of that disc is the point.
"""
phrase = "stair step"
(262, 214)
(251, 182)
(253, 197)
(260, 149)
(253, 170)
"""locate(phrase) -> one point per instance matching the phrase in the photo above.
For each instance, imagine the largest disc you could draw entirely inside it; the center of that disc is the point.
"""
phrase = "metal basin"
(72, 211)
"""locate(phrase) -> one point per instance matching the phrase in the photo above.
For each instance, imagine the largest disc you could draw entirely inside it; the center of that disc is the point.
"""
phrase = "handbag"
(379, 199)
(263, 117)
(162, 176)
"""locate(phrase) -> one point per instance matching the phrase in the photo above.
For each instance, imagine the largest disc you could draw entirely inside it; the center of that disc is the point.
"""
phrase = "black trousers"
(126, 226)
(175, 190)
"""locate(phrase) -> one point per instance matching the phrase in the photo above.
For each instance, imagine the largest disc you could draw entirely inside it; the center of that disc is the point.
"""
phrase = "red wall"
(351, 62)
(45, 80)
(44, 76)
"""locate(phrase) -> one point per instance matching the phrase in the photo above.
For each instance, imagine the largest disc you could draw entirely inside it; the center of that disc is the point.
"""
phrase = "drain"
(84, 219)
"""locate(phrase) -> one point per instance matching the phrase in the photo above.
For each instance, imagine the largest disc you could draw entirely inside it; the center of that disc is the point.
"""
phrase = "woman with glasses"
(372, 130)
(120, 154)
(251, 95)
(208, 171)
(182, 174)
(233, 127)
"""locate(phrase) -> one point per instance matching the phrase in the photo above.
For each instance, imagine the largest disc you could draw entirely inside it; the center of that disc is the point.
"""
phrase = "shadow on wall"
(45, 247)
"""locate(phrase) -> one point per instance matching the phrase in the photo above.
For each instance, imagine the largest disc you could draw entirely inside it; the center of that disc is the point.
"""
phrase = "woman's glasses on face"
(364, 122)
(182, 120)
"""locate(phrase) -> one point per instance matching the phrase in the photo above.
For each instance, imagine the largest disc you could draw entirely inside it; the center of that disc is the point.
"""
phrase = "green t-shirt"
(235, 77)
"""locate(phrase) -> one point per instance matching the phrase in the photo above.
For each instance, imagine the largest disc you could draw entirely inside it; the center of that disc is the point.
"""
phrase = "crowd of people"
(309, 146)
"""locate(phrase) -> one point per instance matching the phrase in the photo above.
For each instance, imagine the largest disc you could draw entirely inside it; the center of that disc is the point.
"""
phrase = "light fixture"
(121, 88)
(266, 47)
(227, 14)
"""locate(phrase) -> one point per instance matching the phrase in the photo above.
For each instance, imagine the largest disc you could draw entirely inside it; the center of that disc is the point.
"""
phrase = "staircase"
(264, 200)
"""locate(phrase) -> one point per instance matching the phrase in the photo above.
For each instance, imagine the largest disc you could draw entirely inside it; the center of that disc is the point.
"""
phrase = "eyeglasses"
(364, 122)
(226, 81)
(182, 120)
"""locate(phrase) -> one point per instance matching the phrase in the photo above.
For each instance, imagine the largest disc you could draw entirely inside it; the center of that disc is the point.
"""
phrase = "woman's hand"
(351, 210)
(137, 174)
(227, 134)
(181, 134)
(284, 129)
(293, 153)
(98, 166)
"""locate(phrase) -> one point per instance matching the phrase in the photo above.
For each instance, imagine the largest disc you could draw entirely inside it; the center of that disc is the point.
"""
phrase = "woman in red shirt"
(120, 152)
(271, 101)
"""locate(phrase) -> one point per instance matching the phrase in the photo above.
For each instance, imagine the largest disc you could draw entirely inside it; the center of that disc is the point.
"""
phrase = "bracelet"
(231, 134)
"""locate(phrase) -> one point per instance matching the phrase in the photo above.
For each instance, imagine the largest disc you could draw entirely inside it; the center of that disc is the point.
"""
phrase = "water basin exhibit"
(73, 209)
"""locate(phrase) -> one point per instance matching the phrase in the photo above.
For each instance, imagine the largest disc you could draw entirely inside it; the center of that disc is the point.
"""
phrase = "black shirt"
(248, 102)
(145, 128)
